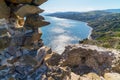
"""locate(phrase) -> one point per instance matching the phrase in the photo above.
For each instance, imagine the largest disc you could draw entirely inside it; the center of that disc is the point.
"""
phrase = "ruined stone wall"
(20, 40)
(21, 22)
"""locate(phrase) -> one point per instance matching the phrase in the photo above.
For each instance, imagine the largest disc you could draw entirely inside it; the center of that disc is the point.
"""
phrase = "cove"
(62, 32)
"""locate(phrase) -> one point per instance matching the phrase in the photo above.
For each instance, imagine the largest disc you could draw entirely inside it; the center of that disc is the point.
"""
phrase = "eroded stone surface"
(4, 10)
(53, 59)
(28, 9)
(35, 21)
(84, 59)
(112, 76)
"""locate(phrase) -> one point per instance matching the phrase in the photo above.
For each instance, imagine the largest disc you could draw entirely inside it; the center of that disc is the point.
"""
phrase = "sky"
(79, 5)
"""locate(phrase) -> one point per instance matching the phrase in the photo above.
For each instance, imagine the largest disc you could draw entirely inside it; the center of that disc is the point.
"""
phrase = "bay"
(62, 32)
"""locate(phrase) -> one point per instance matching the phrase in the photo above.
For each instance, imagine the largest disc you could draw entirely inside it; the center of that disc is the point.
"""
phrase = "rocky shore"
(23, 55)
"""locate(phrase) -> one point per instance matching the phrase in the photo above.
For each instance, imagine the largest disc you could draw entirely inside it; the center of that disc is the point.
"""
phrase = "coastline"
(89, 36)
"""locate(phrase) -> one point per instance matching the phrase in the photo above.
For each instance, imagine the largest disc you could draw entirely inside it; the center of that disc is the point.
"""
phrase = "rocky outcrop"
(84, 62)
(87, 58)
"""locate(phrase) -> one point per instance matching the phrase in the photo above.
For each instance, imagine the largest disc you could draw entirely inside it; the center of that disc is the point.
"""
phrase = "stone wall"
(20, 40)
(21, 32)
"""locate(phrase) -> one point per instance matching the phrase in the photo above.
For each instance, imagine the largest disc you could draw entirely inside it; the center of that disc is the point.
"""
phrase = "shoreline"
(90, 32)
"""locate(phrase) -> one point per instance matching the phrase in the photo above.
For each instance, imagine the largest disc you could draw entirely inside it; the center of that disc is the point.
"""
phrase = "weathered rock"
(4, 10)
(12, 61)
(5, 37)
(112, 76)
(39, 2)
(3, 67)
(48, 50)
(29, 60)
(27, 10)
(74, 76)
(116, 64)
(28, 40)
(17, 39)
(11, 78)
(36, 36)
(86, 58)
(19, 69)
(50, 78)
(11, 50)
(40, 43)
(20, 1)
(53, 59)
(58, 73)
(3, 31)
(4, 42)
(90, 76)
(35, 21)
(19, 53)
(32, 39)
(3, 28)
(41, 53)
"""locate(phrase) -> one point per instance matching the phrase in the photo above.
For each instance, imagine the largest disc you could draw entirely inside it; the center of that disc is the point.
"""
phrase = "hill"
(81, 16)
(112, 10)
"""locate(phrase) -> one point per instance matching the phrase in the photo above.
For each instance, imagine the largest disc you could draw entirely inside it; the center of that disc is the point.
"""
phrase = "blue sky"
(79, 5)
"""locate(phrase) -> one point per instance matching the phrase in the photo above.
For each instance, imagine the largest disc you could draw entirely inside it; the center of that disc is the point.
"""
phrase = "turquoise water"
(62, 32)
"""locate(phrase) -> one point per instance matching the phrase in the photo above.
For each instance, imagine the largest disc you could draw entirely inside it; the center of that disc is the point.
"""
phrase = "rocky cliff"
(23, 55)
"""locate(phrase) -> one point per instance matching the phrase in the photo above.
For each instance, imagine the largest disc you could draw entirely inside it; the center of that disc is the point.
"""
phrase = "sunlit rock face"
(112, 76)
